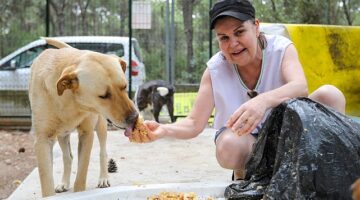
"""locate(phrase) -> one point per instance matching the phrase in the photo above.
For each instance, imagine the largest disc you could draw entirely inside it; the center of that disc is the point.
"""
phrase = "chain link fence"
(172, 41)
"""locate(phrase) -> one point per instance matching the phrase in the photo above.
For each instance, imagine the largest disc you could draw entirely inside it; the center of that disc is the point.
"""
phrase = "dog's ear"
(67, 81)
(121, 61)
(123, 64)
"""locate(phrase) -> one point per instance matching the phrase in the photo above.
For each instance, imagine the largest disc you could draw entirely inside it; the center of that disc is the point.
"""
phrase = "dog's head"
(97, 82)
(143, 98)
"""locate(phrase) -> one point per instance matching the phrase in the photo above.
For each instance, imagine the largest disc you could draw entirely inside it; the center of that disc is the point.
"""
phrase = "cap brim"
(237, 15)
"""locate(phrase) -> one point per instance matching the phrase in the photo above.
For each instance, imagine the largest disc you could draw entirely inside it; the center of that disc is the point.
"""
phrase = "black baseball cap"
(240, 9)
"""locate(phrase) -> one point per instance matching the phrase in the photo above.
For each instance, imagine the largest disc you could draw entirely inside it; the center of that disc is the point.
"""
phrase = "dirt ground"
(17, 159)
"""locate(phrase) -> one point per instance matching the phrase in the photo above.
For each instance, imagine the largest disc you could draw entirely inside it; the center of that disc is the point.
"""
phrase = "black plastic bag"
(304, 151)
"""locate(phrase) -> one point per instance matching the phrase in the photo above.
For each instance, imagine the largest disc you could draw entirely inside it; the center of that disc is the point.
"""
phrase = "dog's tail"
(56, 43)
(163, 91)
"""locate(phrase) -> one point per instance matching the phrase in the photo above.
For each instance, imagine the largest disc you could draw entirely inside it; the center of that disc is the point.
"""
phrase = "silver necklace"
(252, 93)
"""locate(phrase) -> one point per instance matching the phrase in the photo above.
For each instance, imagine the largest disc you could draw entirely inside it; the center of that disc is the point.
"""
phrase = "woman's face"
(238, 40)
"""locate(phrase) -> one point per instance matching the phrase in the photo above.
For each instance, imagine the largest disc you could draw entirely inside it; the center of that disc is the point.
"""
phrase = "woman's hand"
(145, 132)
(155, 131)
(245, 119)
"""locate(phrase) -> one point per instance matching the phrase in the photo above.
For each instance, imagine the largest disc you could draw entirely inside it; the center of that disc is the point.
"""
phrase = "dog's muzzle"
(130, 121)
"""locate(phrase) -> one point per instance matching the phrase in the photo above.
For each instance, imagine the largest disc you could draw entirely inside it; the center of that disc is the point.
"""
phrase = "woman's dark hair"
(261, 39)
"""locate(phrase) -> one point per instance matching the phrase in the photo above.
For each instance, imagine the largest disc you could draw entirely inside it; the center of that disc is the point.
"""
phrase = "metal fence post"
(210, 33)
(167, 41)
(172, 44)
(130, 48)
(47, 19)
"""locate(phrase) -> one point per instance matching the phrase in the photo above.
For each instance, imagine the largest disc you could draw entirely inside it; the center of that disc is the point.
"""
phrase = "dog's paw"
(103, 183)
(62, 187)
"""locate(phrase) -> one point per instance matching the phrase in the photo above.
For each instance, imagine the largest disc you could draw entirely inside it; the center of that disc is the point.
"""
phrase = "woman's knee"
(331, 96)
(224, 155)
(233, 151)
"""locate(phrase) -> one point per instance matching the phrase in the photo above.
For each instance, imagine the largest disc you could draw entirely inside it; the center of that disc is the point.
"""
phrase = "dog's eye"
(107, 95)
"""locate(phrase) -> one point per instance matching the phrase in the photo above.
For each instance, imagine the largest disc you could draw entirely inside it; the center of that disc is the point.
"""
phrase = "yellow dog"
(76, 89)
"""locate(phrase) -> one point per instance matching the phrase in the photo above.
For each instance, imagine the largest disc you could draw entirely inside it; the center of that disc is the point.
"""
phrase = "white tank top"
(228, 91)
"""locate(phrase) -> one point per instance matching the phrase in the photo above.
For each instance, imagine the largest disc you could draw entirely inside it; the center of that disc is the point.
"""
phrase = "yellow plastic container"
(330, 55)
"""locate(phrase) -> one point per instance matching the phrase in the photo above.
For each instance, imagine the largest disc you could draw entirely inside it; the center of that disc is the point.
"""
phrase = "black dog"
(156, 94)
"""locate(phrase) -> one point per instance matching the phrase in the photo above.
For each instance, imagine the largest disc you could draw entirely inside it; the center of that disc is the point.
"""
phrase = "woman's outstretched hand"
(155, 130)
(143, 132)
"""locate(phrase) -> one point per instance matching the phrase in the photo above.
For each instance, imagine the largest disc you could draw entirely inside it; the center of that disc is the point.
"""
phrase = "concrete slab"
(142, 168)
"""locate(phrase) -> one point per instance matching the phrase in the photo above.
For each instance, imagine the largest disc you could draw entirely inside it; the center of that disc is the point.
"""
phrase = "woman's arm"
(294, 78)
(195, 122)
(245, 119)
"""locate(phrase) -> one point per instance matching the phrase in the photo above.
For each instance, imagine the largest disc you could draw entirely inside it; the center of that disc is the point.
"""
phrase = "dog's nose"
(131, 118)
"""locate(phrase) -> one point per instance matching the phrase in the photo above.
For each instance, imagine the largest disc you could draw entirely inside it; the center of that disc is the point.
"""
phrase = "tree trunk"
(83, 9)
(347, 13)
(187, 10)
(124, 14)
(59, 9)
(274, 10)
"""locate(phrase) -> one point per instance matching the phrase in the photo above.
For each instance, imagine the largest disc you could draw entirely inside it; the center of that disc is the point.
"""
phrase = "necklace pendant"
(252, 93)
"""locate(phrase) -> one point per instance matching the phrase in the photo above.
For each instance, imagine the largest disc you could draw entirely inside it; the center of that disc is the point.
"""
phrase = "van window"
(24, 59)
(106, 48)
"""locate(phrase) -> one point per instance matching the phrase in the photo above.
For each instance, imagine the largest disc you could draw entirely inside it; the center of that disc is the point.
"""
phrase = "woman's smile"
(238, 52)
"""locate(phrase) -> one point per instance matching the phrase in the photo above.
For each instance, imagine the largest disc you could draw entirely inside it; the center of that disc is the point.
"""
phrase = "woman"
(251, 74)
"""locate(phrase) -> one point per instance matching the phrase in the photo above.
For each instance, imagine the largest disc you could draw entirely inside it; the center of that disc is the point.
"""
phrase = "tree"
(187, 10)
(346, 6)
(58, 15)
(82, 6)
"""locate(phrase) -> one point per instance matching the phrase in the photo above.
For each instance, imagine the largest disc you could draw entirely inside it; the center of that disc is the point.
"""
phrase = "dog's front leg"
(64, 142)
(101, 130)
(86, 137)
(43, 150)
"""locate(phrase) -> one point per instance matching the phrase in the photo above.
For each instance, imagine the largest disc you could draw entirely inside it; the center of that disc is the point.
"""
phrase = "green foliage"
(24, 21)
(154, 64)
(308, 11)
(17, 22)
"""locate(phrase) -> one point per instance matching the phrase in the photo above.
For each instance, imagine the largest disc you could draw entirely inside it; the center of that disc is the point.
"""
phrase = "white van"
(15, 68)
